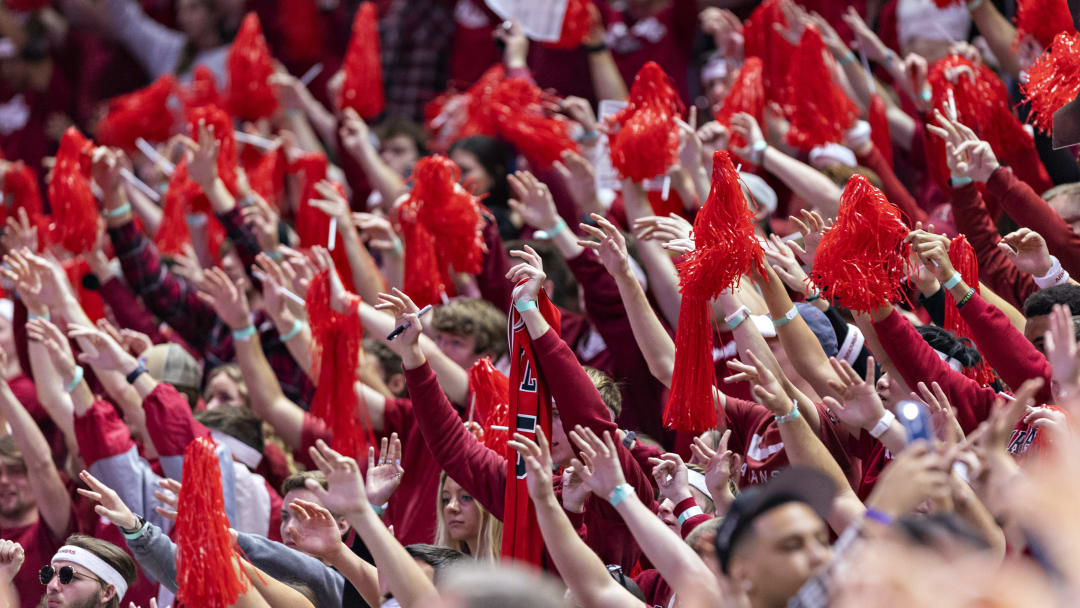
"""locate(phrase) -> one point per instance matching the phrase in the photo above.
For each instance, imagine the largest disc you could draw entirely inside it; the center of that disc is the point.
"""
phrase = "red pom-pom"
(21, 192)
(144, 113)
(1053, 80)
(863, 259)
(89, 299)
(818, 110)
(516, 110)
(647, 141)
(575, 26)
(217, 120)
(249, 94)
(764, 41)
(982, 103)
(202, 91)
(302, 30)
(947, 3)
(267, 176)
(363, 86)
(490, 407)
(879, 127)
(453, 115)
(725, 248)
(336, 342)
(205, 573)
(747, 95)
(69, 192)
(442, 224)
(962, 256)
(1043, 20)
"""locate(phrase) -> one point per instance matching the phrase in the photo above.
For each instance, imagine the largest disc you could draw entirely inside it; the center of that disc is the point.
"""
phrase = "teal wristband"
(788, 317)
(297, 327)
(120, 211)
(620, 493)
(846, 59)
(687, 514)
(550, 234)
(31, 316)
(788, 417)
(960, 182)
(522, 306)
(138, 533)
(379, 509)
(243, 334)
(76, 380)
(275, 255)
(953, 281)
(974, 4)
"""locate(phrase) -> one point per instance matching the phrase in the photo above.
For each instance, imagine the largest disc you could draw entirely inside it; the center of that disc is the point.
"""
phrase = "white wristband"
(883, 424)
(1055, 276)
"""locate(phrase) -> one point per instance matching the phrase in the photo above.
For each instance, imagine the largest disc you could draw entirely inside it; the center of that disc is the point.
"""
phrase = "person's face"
(1068, 207)
(221, 391)
(561, 450)
(460, 349)
(1035, 328)
(667, 515)
(717, 89)
(882, 388)
(15, 495)
(84, 590)
(788, 545)
(429, 572)
(472, 172)
(460, 511)
(400, 153)
(194, 18)
(288, 522)
(234, 268)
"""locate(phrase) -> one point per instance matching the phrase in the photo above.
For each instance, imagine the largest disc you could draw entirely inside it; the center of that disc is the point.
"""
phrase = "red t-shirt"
(39, 546)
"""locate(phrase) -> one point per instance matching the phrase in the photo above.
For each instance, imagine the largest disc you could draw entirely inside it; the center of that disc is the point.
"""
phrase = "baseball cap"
(793, 484)
(820, 325)
(171, 364)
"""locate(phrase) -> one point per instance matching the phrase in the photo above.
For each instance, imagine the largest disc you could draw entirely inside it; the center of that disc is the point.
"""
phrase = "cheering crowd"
(335, 304)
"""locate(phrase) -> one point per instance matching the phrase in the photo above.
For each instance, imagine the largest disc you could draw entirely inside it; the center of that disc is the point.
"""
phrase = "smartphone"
(915, 417)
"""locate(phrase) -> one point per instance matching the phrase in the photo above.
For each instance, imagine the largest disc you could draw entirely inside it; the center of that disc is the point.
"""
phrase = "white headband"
(93, 563)
(241, 452)
(852, 346)
(698, 481)
(953, 363)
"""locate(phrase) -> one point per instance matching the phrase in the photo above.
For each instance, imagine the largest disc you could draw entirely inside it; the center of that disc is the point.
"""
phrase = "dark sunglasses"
(66, 573)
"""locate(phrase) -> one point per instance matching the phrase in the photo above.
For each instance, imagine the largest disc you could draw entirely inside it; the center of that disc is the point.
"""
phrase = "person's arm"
(156, 47)
(1029, 210)
(607, 81)
(284, 563)
(297, 99)
(582, 570)
(365, 273)
(271, 592)
(12, 556)
(355, 137)
(50, 494)
(677, 562)
(659, 268)
(1000, 35)
(346, 494)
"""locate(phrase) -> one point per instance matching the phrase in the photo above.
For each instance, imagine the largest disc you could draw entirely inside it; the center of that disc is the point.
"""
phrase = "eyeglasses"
(66, 573)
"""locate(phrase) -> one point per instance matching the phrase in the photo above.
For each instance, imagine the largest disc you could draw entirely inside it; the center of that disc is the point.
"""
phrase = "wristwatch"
(139, 370)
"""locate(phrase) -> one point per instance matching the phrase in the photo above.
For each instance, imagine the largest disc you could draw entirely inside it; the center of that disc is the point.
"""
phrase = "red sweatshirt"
(482, 471)
(996, 270)
(1028, 209)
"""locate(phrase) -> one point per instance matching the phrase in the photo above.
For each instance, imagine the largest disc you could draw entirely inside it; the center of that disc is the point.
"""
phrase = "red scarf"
(530, 404)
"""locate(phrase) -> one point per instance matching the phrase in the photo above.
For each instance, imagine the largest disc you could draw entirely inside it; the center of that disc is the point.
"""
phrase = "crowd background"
(732, 303)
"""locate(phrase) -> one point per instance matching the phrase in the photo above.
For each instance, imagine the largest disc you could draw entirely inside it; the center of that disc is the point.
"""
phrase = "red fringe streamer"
(143, 113)
(205, 573)
(762, 40)
(747, 94)
(647, 141)
(982, 103)
(363, 86)
(185, 197)
(249, 95)
(202, 91)
(1053, 80)
(70, 195)
(725, 249)
(514, 107)
(818, 110)
(335, 354)
(442, 224)
(863, 259)
(490, 403)
(575, 26)
(454, 115)
(947, 3)
(879, 127)
(962, 256)
(1042, 20)
(302, 30)
(21, 192)
(312, 225)
(267, 176)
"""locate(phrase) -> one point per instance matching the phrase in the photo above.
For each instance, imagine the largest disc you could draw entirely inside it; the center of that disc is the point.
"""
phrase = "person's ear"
(343, 526)
(107, 593)
(396, 383)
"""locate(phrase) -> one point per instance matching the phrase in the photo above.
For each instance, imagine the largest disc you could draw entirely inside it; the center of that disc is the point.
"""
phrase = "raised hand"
(384, 476)
(378, 233)
(355, 134)
(532, 201)
(537, 456)
(601, 469)
(746, 126)
(404, 310)
(942, 414)
(11, 560)
(530, 270)
(263, 221)
(662, 229)
(581, 111)
(782, 259)
(859, 404)
(221, 294)
(726, 30)
(813, 229)
(610, 248)
(340, 298)
(933, 252)
(41, 330)
(288, 89)
(202, 157)
(917, 473)
(19, 233)
(169, 496)
(316, 531)
(17, 269)
(574, 490)
(672, 477)
(1027, 250)
(105, 164)
(966, 154)
(1059, 344)
(187, 266)
(109, 504)
(767, 389)
(100, 350)
(346, 494)
(580, 177)
(865, 38)
(721, 465)
(299, 268)
(332, 203)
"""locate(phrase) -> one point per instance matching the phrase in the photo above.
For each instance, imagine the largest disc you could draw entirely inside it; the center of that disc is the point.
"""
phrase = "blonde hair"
(488, 539)
(231, 370)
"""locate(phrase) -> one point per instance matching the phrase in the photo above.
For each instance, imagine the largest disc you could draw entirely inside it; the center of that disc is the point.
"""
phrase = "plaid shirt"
(415, 40)
(175, 302)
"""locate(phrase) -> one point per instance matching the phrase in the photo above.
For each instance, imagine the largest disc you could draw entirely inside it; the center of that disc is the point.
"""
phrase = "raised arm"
(365, 273)
(659, 268)
(11, 560)
(1000, 35)
(356, 138)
